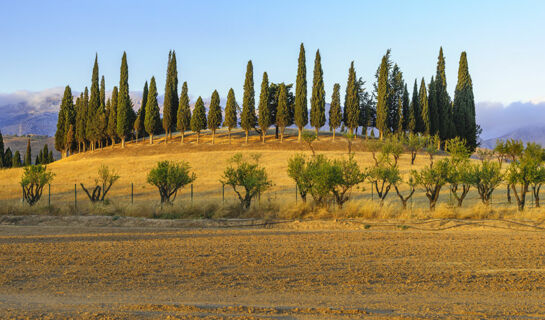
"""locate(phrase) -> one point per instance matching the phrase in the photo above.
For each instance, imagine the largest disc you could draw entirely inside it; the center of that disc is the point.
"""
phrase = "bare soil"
(121, 268)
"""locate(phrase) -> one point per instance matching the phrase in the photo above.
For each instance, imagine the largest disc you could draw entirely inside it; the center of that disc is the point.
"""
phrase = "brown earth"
(92, 267)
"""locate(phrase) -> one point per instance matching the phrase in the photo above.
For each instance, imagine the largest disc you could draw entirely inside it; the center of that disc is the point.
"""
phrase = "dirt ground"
(91, 268)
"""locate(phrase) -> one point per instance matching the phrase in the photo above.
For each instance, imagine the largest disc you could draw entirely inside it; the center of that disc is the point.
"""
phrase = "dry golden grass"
(208, 162)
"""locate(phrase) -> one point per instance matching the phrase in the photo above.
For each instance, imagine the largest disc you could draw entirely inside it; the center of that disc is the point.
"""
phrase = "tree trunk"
(182, 140)
(246, 136)
(151, 138)
(299, 134)
(229, 134)
(198, 135)
(264, 133)
(317, 130)
(123, 142)
(333, 134)
(213, 136)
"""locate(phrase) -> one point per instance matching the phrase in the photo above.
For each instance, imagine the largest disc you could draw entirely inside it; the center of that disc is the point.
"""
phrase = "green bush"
(34, 178)
(169, 177)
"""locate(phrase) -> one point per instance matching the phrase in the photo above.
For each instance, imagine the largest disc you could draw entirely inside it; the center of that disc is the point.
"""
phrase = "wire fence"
(74, 197)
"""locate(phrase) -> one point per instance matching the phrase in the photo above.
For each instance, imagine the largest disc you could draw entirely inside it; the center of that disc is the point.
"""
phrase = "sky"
(47, 44)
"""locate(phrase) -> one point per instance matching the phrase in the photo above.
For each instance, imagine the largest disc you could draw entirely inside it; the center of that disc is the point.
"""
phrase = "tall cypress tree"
(124, 104)
(81, 119)
(282, 111)
(382, 98)
(16, 159)
(351, 114)
(152, 121)
(111, 130)
(93, 108)
(28, 154)
(248, 118)
(170, 104)
(317, 100)
(335, 116)
(444, 106)
(406, 108)
(198, 119)
(214, 114)
(183, 120)
(264, 118)
(230, 112)
(101, 116)
(433, 108)
(414, 123)
(139, 125)
(464, 105)
(300, 110)
(394, 94)
(66, 112)
(8, 158)
(426, 116)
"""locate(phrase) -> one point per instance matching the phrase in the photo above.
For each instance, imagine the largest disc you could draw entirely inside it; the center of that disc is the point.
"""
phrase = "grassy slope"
(208, 161)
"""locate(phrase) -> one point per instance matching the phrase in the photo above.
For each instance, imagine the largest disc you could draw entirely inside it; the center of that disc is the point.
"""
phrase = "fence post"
(192, 194)
(372, 196)
(49, 195)
(132, 193)
(223, 193)
(75, 197)
(296, 191)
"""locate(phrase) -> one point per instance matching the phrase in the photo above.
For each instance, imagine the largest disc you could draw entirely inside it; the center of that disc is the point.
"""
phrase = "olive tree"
(297, 170)
(411, 182)
(246, 177)
(347, 175)
(106, 178)
(432, 179)
(459, 174)
(169, 177)
(34, 178)
(486, 177)
(415, 143)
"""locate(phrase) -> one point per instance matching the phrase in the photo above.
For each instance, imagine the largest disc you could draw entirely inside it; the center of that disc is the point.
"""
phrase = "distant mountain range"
(24, 112)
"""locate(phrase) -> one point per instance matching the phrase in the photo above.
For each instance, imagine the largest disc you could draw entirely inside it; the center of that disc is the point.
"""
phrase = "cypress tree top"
(94, 105)
(317, 101)
(464, 105)
(300, 110)
(382, 97)
(66, 108)
(231, 110)
(248, 118)
(335, 116)
(351, 101)
(152, 117)
(282, 112)
(170, 104)
(214, 112)
(124, 104)
(198, 119)
(184, 113)
(112, 115)
(264, 112)
(423, 103)
(414, 124)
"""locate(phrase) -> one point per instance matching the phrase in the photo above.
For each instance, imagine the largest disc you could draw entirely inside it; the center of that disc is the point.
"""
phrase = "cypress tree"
(45, 155)
(425, 109)
(264, 119)
(300, 110)
(81, 117)
(282, 112)
(112, 117)
(335, 116)
(183, 118)
(317, 101)
(198, 119)
(406, 108)
(152, 121)
(70, 136)
(444, 106)
(351, 115)
(102, 118)
(141, 114)
(65, 119)
(170, 104)
(433, 108)
(8, 158)
(464, 105)
(28, 154)
(124, 104)
(382, 98)
(414, 124)
(230, 112)
(248, 118)
(17, 159)
(214, 114)
(1, 150)
(399, 117)
(93, 108)
(102, 92)
(394, 93)
(50, 157)
(367, 109)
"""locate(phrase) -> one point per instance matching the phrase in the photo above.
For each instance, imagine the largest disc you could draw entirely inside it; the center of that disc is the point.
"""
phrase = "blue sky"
(49, 44)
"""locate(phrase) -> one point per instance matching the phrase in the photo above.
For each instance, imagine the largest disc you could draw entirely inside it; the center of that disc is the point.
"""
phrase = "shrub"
(297, 170)
(106, 178)
(34, 178)
(246, 177)
(415, 143)
(432, 179)
(486, 177)
(347, 174)
(169, 177)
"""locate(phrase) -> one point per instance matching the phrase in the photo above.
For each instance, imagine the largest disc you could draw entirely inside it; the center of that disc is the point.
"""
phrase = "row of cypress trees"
(8, 159)
(92, 121)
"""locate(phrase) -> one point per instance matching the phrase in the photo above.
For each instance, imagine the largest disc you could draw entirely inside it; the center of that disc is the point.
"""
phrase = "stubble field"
(320, 270)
